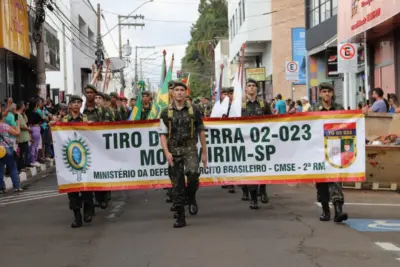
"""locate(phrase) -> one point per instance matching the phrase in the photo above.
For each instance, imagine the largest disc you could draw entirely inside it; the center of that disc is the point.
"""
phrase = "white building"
(221, 56)
(250, 23)
(76, 25)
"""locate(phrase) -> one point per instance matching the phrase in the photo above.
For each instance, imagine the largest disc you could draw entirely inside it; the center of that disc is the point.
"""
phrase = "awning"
(331, 42)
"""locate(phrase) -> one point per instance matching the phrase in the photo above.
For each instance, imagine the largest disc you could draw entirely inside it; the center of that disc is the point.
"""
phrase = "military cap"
(250, 80)
(231, 89)
(224, 90)
(207, 98)
(133, 98)
(189, 97)
(176, 84)
(73, 98)
(107, 97)
(100, 94)
(171, 84)
(90, 86)
(114, 94)
(326, 86)
(146, 93)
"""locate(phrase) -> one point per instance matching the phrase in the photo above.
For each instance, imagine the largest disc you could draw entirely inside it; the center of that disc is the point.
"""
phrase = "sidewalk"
(31, 175)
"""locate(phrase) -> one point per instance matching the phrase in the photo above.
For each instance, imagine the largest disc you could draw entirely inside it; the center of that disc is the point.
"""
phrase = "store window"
(321, 10)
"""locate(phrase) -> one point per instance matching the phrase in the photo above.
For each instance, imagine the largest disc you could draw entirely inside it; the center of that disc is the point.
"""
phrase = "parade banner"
(297, 148)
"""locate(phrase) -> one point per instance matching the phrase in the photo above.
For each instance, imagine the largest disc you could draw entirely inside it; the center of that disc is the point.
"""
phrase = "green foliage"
(211, 26)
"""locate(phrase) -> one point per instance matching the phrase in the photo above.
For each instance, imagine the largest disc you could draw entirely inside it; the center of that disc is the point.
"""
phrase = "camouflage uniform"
(329, 191)
(76, 199)
(182, 129)
(253, 109)
(99, 114)
(145, 112)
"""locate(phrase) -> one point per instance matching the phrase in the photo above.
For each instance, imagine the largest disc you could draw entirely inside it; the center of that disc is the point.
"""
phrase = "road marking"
(27, 193)
(23, 198)
(366, 204)
(388, 246)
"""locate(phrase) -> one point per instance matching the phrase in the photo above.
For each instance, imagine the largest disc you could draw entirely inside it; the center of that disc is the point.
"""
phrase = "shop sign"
(369, 17)
(347, 62)
(292, 70)
(299, 52)
(14, 30)
(257, 74)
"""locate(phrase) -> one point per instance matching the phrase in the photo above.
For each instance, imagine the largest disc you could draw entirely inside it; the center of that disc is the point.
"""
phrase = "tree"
(211, 25)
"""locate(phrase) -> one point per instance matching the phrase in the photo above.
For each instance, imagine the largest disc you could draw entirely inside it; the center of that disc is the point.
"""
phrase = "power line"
(115, 45)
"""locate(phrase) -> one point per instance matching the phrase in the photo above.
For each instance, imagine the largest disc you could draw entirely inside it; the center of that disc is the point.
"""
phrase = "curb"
(32, 175)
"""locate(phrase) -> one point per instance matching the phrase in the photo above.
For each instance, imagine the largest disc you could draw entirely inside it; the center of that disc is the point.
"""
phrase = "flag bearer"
(168, 199)
(180, 127)
(329, 191)
(254, 106)
(146, 105)
(76, 199)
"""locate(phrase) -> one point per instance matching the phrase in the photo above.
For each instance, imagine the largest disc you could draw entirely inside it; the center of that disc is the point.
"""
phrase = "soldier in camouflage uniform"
(180, 126)
(107, 105)
(254, 106)
(329, 191)
(206, 107)
(123, 108)
(146, 105)
(101, 105)
(96, 114)
(115, 107)
(168, 199)
(76, 199)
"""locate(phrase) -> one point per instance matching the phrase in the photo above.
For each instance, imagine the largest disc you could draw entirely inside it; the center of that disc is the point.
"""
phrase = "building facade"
(76, 25)
(373, 25)
(288, 43)
(250, 24)
(321, 45)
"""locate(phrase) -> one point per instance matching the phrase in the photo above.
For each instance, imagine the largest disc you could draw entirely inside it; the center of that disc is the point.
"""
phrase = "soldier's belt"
(181, 142)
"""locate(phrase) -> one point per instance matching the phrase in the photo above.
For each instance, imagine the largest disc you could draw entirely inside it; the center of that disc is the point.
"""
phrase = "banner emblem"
(76, 156)
(340, 144)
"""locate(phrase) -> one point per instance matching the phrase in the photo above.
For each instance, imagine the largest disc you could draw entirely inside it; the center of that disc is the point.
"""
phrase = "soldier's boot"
(180, 220)
(245, 195)
(173, 207)
(193, 207)
(87, 212)
(254, 201)
(264, 195)
(77, 219)
(231, 189)
(326, 213)
(340, 216)
(168, 199)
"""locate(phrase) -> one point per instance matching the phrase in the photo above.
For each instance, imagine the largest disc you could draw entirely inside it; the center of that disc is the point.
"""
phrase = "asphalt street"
(136, 230)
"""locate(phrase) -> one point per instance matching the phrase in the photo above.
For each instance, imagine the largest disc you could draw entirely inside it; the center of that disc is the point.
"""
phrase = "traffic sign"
(347, 54)
(292, 70)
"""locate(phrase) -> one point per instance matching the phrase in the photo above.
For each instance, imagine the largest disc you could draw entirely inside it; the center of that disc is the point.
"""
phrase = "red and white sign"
(292, 70)
(347, 58)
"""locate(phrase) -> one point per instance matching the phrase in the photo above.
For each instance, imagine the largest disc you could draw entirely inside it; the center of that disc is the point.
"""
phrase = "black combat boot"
(254, 201)
(340, 216)
(168, 199)
(326, 213)
(245, 191)
(180, 221)
(193, 207)
(77, 219)
(231, 189)
(264, 195)
(87, 212)
(173, 207)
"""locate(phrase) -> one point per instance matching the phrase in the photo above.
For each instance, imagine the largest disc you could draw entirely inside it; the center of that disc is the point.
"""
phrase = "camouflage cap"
(90, 87)
(224, 90)
(176, 84)
(73, 98)
(171, 84)
(100, 94)
(231, 89)
(146, 93)
(114, 94)
(326, 86)
(250, 80)
(107, 97)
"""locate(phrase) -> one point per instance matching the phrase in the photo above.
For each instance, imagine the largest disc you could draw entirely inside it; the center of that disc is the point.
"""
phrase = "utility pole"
(120, 38)
(136, 65)
(99, 47)
(38, 38)
(65, 60)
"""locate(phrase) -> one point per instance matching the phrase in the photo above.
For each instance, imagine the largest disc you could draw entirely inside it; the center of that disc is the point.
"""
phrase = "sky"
(167, 26)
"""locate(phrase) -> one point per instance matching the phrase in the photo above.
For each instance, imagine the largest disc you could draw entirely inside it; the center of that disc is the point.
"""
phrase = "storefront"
(372, 25)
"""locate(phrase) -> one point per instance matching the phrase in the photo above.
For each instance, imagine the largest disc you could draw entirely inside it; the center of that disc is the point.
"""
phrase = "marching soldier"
(96, 113)
(254, 106)
(329, 191)
(168, 199)
(180, 127)
(101, 104)
(123, 108)
(114, 105)
(146, 105)
(229, 93)
(107, 105)
(76, 199)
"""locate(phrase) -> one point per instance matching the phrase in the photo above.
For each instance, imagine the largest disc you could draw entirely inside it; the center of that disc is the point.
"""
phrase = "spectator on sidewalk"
(280, 105)
(299, 106)
(379, 104)
(46, 152)
(23, 138)
(393, 103)
(6, 131)
(34, 122)
(306, 104)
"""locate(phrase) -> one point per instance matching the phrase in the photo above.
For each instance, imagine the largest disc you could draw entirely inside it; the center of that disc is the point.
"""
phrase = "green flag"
(137, 110)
